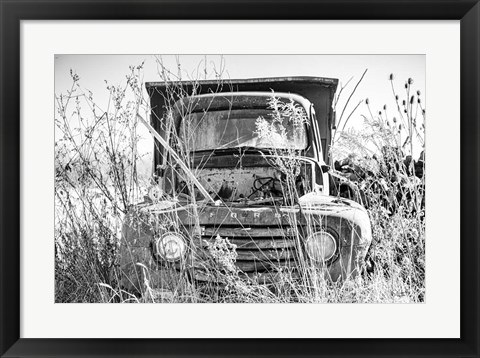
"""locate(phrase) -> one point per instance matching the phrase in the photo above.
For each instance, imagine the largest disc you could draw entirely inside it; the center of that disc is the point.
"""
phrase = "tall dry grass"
(384, 165)
(98, 182)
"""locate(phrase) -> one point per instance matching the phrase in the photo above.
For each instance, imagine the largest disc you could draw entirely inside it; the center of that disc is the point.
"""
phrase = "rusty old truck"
(243, 163)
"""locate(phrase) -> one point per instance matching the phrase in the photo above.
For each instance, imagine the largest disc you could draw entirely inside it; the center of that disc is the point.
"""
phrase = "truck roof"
(261, 82)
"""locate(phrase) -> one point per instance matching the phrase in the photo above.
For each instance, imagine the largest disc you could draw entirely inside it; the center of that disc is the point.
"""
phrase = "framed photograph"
(233, 178)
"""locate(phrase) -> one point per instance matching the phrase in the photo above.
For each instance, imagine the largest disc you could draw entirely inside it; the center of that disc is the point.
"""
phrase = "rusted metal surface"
(264, 266)
(229, 184)
(276, 233)
(257, 243)
(265, 255)
(248, 216)
(236, 160)
(265, 246)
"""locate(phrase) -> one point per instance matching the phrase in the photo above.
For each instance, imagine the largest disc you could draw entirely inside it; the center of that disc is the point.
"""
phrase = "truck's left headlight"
(321, 246)
(170, 247)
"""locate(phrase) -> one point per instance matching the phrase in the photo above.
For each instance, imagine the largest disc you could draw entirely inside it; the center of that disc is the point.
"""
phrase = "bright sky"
(95, 69)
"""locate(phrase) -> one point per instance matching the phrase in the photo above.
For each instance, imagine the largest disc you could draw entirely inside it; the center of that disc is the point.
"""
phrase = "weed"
(98, 184)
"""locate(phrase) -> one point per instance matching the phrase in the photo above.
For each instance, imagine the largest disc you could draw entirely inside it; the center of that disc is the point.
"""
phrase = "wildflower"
(384, 107)
(224, 253)
(391, 77)
(410, 81)
(366, 101)
(418, 93)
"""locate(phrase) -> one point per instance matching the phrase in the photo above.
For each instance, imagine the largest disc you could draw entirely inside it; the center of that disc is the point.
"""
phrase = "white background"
(438, 317)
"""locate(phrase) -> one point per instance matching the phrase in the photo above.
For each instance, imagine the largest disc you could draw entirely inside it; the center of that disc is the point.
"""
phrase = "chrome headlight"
(321, 246)
(170, 247)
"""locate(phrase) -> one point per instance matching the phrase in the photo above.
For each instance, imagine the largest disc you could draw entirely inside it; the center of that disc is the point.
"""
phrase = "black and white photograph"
(210, 178)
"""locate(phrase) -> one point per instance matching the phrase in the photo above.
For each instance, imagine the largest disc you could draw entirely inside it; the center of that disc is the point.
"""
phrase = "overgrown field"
(99, 178)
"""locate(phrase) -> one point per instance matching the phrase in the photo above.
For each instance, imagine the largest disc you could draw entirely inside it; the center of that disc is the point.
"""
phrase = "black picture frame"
(12, 12)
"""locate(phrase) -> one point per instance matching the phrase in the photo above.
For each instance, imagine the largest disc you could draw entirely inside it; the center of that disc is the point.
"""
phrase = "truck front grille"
(259, 249)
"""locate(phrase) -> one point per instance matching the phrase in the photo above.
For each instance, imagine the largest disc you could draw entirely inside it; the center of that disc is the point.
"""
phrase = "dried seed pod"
(410, 81)
(412, 99)
(418, 93)
(391, 77)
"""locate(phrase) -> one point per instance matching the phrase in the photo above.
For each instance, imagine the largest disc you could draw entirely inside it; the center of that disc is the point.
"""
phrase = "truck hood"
(309, 202)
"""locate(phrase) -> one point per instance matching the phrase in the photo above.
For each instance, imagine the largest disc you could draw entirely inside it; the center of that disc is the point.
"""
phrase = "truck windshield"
(258, 128)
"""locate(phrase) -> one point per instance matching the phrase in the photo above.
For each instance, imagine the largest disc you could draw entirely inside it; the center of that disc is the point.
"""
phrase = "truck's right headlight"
(170, 247)
(321, 246)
